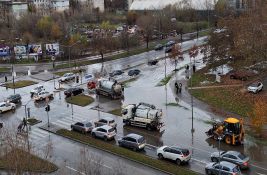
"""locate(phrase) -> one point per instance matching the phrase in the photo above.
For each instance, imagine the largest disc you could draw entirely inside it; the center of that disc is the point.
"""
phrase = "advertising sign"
(35, 49)
(20, 50)
(52, 49)
(4, 51)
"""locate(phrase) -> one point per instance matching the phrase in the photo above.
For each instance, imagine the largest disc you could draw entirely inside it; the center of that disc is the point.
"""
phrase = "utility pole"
(13, 79)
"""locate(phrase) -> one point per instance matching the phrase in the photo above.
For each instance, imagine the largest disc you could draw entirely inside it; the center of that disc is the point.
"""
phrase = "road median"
(125, 153)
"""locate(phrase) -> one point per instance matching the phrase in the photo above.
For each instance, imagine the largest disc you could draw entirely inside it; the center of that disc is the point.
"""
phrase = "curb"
(76, 140)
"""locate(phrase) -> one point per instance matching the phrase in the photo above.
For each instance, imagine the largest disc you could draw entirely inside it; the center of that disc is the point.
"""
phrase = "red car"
(91, 85)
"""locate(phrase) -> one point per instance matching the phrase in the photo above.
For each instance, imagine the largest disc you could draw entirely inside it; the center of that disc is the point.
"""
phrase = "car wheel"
(105, 138)
(41, 98)
(148, 127)
(208, 172)
(213, 159)
(160, 156)
(178, 161)
(134, 149)
(93, 135)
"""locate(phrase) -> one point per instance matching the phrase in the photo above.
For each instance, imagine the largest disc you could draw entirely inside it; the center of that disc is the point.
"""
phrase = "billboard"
(4, 51)
(35, 49)
(20, 50)
(52, 49)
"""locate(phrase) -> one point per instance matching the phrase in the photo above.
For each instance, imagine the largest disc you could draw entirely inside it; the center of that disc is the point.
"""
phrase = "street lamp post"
(220, 138)
(13, 79)
(192, 99)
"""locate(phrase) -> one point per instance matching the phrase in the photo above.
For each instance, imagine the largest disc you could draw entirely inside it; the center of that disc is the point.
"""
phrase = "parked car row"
(132, 72)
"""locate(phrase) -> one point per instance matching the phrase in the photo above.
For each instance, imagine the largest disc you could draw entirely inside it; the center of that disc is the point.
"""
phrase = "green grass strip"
(80, 100)
(20, 84)
(138, 157)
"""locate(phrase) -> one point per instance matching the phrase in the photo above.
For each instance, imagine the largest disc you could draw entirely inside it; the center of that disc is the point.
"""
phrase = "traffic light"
(47, 108)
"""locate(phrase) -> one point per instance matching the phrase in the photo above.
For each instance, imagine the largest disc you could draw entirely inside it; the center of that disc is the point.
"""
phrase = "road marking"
(152, 146)
(201, 161)
(258, 167)
(75, 170)
(101, 164)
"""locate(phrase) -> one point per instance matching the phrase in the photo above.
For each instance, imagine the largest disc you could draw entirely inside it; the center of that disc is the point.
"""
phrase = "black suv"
(14, 98)
(116, 72)
(73, 91)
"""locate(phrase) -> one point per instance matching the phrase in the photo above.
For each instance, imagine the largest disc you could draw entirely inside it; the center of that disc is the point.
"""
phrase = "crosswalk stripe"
(40, 131)
(67, 120)
(64, 123)
(33, 137)
(40, 135)
(76, 118)
(61, 125)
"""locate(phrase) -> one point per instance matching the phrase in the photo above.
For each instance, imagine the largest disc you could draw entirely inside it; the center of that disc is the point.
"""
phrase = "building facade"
(10, 9)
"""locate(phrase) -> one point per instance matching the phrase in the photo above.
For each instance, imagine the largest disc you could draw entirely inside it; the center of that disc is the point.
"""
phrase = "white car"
(255, 87)
(37, 89)
(89, 77)
(5, 106)
(42, 95)
(105, 132)
(174, 153)
(67, 77)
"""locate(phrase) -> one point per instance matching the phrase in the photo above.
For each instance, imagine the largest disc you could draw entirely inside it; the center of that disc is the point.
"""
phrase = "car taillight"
(245, 163)
(234, 174)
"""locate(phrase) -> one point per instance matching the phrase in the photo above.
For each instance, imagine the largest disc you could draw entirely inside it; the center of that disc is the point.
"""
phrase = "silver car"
(105, 132)
(133, 141)
(231, 156)
(222, 168)
(106, 121)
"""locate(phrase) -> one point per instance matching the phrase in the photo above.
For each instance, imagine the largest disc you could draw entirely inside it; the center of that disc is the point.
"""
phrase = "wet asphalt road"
(177, 119)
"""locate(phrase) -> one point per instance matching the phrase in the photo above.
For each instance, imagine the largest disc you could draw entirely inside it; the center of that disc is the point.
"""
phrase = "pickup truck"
(42, 96)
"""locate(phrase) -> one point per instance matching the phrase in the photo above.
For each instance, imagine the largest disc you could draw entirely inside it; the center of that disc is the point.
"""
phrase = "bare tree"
(146, 23)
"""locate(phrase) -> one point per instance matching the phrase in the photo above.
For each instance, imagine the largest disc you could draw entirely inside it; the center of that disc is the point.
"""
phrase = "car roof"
(178, 148)
(107, 118)
(2, 103)
(228, 164)
(84, 122)
(132, 135)
(106, 127)
(233, 153)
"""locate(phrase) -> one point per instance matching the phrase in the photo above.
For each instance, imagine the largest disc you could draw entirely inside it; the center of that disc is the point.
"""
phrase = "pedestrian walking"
(194, 68)
(180, 87)
(177, 87)
(5, 78)
(20, 127)
(24, 123)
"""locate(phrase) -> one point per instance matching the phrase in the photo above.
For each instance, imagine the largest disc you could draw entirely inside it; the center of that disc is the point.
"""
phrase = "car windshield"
(185, 151)
(242, 157)
(111, 130)
(89, 124)
(141, 140)
(65, 75)
(111, 121)
(254, 85)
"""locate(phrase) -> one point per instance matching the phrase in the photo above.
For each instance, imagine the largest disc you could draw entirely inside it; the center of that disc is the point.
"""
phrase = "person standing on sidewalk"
(5, 78)
(177, 87)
